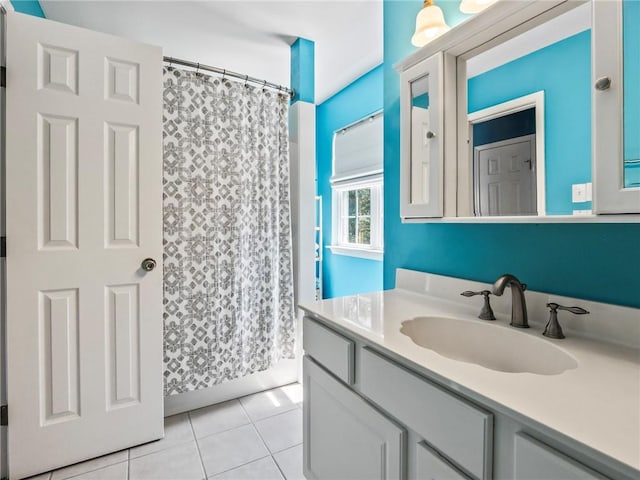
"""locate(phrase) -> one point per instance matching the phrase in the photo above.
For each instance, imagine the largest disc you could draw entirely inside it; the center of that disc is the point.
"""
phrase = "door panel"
(84, 321)
(123, 369)
(121, 179)
(58, 178)
(59, 346)
(506, 178)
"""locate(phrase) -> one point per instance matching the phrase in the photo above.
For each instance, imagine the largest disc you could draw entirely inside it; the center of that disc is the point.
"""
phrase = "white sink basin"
(488, 345)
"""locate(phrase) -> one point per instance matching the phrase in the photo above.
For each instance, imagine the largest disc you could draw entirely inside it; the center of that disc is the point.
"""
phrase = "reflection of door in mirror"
(421, 135)
(552, 60)
(504, 165)
(507, 157)
(631, 82)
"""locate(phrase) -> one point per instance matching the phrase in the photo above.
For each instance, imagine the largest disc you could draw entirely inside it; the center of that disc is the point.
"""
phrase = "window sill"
(367, 253)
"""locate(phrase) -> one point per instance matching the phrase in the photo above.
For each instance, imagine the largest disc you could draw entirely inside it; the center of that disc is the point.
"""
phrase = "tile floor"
(258, 437)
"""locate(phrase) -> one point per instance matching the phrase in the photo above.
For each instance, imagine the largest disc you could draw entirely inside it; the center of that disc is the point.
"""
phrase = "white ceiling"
(248, 37)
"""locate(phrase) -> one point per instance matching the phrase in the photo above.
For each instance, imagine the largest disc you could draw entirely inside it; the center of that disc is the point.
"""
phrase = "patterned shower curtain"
(228, 282)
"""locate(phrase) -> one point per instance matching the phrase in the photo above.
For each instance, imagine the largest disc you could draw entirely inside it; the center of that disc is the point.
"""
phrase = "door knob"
(603, 84)
(148, 264)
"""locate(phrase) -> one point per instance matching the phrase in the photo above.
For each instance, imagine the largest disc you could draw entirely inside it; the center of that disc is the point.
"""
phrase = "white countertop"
(596, 404)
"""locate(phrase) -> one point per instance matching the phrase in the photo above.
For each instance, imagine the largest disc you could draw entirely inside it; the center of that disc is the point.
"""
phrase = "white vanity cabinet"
(430, 465)
(344, 436)
(385, 419)
(458, 429)
(535, 460)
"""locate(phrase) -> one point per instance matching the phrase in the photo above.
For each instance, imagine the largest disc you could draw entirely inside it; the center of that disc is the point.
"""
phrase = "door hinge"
(3, 247)
(3, 77)
(4, 415)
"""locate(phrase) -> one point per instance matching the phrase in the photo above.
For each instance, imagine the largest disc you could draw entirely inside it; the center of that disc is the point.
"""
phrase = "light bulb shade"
(429, 25)
(474, 6)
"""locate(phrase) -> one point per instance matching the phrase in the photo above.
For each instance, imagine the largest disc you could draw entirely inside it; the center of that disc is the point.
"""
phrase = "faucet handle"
(553, 328)
(574, 310)
(469, 293)
(486, 313)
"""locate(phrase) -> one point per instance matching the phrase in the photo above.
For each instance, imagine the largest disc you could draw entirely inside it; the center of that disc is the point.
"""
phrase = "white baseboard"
(285, 372)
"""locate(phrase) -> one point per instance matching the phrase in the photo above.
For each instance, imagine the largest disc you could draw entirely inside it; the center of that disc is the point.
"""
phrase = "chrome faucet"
(518, 305)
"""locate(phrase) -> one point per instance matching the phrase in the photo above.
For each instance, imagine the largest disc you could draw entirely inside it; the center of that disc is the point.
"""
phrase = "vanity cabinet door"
(537, 461)
(344, 436)
(462, 431)
(431, 466)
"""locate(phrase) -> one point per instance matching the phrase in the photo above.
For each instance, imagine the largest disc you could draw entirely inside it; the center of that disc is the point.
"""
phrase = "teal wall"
(343, 275)
(563, 72)
(303, 70)
(591, 261)
(30, 7)
(631, 20)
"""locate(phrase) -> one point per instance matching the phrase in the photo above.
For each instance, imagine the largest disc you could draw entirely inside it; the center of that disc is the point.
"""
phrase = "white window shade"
(358, 150)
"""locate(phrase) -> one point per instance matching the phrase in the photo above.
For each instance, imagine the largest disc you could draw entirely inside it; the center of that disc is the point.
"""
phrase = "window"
(357, 190)
(358, 218)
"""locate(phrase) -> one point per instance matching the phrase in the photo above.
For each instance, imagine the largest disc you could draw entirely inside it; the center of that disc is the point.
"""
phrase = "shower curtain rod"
(227, 73)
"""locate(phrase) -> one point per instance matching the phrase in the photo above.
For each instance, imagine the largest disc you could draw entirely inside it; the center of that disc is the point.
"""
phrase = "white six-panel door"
(84, 208)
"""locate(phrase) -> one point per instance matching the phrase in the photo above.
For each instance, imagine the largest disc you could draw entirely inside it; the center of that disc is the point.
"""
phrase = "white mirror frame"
(500, 22)
(609, 194)
(433, 186)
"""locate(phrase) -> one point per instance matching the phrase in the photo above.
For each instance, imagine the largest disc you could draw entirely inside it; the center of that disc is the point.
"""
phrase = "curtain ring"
(198, 68)
(264, 86)
(246, 78)
(224, 72)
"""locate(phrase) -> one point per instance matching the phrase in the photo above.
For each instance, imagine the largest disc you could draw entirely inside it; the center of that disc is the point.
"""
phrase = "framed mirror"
(571, 155)
(616, 103)
(631, 94)
(528, 131)
(421, 146)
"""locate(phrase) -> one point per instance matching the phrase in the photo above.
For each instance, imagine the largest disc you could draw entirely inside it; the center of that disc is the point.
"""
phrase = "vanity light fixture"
(474, 6)
(429, 24)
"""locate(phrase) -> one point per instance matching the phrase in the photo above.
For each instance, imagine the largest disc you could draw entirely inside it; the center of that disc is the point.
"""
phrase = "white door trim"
(535, 100)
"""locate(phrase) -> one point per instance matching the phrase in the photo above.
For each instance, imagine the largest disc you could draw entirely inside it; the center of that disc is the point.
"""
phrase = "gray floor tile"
(218, 418)
(180, 462)
(290, 462)
(263, 469)
(177, 430)
(90, 465)
(119, 471)
(233, 448)
(281, 431)
(271, 402)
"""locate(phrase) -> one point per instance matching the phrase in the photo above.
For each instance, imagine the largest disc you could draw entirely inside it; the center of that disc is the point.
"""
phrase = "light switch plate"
(578, 193)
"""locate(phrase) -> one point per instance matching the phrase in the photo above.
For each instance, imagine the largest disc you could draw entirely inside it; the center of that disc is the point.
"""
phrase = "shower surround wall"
(228, 287)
